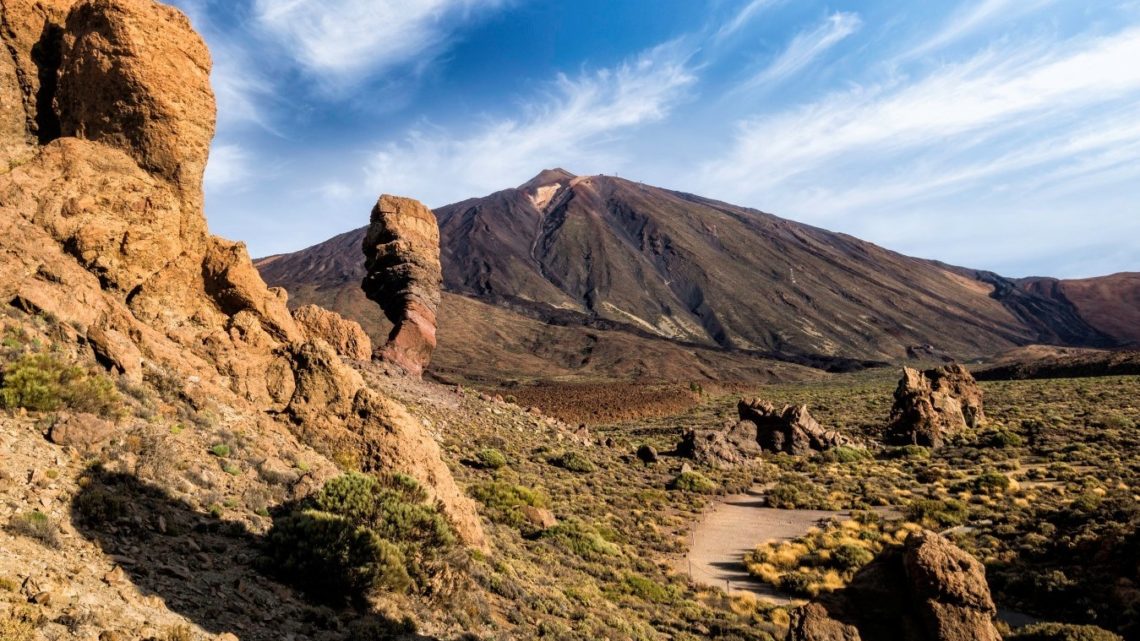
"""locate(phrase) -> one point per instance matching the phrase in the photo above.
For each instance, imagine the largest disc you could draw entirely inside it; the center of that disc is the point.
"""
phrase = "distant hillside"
(604, 255)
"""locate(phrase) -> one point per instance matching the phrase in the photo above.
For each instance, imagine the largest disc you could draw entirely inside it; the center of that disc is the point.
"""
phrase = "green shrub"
(490, 458)
(693, 482)
(913, 452)
(798, 583)
(1062, 632)
(574, 462)
(851, 557)
(582, 539)
(648, 589)
(221, 450)
(44, 383)
(505, 501)
(937, 514)
(99, 506)
(36, 525)
(358, 534)
(1001, 439)
(843, 454)
(989, 482)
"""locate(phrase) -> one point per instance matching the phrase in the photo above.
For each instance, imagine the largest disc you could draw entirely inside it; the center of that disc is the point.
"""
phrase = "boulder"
(933, 405)
(82, 431)
(721, 449)
(647, 454)
(347, 337)
(403, 276)
(539, 518)
(929, 590)
(791, 430)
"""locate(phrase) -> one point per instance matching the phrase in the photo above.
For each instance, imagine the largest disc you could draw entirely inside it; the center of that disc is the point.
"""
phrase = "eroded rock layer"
(106, 117)
(403, 276)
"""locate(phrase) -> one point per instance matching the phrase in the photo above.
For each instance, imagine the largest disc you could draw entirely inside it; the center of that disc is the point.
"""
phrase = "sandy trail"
(735, 526)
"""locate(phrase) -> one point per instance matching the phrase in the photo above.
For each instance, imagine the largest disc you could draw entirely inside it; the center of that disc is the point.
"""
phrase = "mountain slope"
(610, 254)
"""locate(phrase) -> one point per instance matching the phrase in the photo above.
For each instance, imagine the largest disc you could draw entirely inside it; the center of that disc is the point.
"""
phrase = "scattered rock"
(933, 405)
(347, 337)
(538, 517)
(647, 454)
(930, 590)
(403, 276)
(791, 430)
(82, 431)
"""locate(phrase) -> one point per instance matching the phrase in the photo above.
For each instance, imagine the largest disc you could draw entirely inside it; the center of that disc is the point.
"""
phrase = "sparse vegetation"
(361, 533)
(36, 525)
(44, 382)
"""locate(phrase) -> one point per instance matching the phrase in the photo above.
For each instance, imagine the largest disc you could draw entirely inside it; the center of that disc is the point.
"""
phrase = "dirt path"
(735, 526)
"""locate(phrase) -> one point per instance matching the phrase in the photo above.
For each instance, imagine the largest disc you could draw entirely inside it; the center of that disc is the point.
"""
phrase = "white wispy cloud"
(806, 47)
(974, 16)
(983, 96)
(336, 39)
(568, 126)
(229, 166)
(1041, 132)
(746, 14)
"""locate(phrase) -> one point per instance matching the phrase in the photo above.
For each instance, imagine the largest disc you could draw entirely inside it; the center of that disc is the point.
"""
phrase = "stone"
(929, 590)
(934, 405)
(347, 337)
(539, 517)
(82, 431)
(403, 276)
(647, 454)
(791, 430)
(718, 448)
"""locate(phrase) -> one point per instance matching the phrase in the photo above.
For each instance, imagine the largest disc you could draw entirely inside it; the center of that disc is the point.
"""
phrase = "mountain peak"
(547, 177)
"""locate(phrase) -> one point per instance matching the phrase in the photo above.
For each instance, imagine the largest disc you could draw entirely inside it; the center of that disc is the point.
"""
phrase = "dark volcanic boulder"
(930, 590)
(791, 430)
(723, 449)
(403, 276)
(933, 405)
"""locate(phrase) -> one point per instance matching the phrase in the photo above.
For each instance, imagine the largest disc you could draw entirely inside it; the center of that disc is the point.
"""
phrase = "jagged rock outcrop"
(761, 428)
(791, 430)
(102, 230)
(930, 590)
(347, 337)
(933, 405)
(723, 448)
(403, 276)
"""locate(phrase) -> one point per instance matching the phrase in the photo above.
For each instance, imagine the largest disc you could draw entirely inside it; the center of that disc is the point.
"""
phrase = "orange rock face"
(102, 229)
(403, 276)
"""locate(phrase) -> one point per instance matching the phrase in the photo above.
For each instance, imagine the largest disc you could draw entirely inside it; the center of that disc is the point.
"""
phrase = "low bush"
(358, 534)
(937, 514)
(505, 501)
(20, 623)
(573, 462)
(490, 458)
(1062, 632)
(913, 452)
(36, 525)
(44, 383)
(582, 539)
(990, 482)
(843, 454)
(690, 481)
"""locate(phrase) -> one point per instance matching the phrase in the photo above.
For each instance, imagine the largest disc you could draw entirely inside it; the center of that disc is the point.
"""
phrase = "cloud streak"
(806, 48)
(571, 126)
(340, 39)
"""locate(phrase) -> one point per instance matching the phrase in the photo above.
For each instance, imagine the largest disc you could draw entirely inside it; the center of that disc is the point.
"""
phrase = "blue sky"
(998, 134)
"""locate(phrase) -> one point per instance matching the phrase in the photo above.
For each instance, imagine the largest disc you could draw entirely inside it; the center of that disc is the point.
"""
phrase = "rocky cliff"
(107, 116)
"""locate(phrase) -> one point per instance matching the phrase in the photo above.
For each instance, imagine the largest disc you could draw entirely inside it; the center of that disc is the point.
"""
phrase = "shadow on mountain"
(206, 569)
